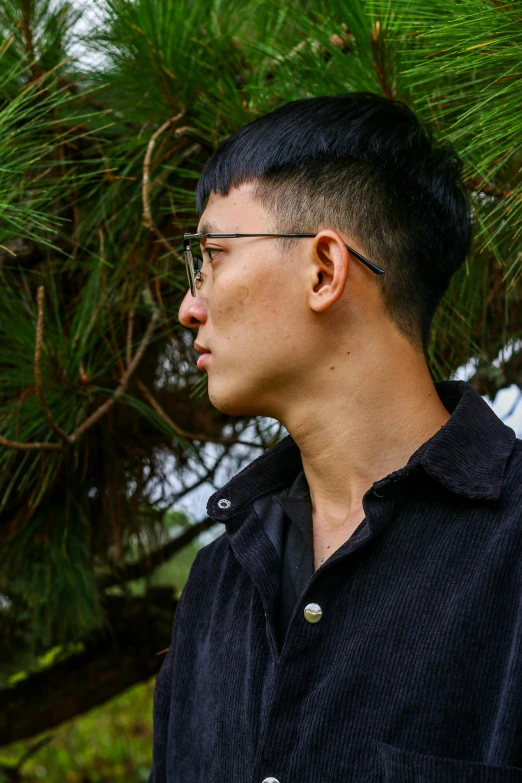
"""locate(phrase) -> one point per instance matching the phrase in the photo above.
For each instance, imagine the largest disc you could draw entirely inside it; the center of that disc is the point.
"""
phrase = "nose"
(193, 311)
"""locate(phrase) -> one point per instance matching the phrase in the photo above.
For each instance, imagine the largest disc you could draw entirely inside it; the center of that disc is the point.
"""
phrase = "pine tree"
(98, 165)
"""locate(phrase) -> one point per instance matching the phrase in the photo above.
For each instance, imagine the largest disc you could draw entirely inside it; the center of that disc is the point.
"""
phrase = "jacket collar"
(467, 456)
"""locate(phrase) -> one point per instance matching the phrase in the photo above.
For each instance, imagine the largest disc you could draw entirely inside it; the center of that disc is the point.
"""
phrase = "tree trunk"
(142, 628)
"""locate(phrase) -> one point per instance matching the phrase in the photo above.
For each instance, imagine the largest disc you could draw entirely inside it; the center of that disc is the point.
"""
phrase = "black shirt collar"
(297, 504)
(468, 456)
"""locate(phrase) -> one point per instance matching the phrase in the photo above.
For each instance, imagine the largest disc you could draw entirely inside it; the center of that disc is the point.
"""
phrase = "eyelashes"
(211, 252)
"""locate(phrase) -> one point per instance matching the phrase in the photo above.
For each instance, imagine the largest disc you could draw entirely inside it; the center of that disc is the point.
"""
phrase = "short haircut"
(362, 165)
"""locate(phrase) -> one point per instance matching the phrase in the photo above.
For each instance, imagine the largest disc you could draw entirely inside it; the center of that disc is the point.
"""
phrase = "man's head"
(356, 169)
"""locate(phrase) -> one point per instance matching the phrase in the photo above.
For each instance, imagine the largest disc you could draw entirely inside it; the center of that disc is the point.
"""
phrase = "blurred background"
(109, 447)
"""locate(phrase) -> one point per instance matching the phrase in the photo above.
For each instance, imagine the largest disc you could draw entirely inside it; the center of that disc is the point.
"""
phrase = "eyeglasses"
(195, 262)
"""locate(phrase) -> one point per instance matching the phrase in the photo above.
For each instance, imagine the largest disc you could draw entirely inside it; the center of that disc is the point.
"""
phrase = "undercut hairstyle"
(364, 166)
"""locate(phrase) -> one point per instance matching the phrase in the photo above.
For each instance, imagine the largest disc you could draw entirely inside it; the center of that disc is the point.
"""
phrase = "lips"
(205, 356)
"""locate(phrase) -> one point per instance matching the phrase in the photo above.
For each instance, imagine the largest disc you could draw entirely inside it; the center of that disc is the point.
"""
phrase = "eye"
(211, 253)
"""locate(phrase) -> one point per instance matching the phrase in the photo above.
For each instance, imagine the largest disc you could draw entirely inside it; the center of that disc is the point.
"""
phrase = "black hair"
(365, 166)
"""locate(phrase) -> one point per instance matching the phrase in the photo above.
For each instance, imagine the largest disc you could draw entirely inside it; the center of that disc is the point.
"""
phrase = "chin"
(234, 405)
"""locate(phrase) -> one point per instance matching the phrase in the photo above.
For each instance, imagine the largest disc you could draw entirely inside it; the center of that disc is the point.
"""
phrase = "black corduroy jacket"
(413, 671)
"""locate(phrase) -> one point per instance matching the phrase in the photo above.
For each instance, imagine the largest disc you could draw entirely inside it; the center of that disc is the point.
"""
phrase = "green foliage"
(458, 66)
(25, 143)
(173, 572)
(111, 743)
(47, 564)
(114, 741)
(96, 187)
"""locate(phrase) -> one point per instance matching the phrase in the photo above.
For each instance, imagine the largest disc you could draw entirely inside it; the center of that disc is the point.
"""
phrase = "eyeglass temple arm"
(366, 261)
(370, 264)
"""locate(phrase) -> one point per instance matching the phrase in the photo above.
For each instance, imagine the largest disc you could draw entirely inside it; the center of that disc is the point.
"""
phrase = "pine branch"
(378, 48)
(3, 247)
(103, 409)
(489, 379)
(99, 413)
(26, 29)
(38, 371)
(130, 327)
(35, 446)
(147, 215)
(151, 561)
(109, 664)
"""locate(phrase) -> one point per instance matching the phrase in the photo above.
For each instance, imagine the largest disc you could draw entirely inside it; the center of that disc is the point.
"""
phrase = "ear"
(329, 262)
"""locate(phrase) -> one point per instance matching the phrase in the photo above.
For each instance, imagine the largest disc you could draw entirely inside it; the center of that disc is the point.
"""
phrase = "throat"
(328, 538)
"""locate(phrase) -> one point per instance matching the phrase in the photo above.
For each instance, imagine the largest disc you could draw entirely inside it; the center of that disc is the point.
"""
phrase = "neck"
(360, 417)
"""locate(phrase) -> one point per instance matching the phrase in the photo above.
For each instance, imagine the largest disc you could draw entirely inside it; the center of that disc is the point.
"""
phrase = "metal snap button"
(224, 503)
(313, 613)
(270, 780)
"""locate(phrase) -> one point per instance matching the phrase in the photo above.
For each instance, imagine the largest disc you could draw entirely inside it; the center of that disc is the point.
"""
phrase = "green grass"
(110, 743)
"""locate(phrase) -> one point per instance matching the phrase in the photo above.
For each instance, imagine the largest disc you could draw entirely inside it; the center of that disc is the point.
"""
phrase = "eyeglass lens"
(194, 262)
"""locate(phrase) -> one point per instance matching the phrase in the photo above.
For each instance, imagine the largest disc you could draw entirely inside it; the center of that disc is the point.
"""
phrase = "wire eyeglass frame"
(194, 274)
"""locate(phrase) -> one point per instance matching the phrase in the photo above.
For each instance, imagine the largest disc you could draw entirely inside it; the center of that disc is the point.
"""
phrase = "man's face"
(251, 311)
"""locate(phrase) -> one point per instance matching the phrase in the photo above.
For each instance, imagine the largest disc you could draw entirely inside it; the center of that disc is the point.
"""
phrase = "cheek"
(243, 294)
(231, 304)
(249, 302)
(233, 297)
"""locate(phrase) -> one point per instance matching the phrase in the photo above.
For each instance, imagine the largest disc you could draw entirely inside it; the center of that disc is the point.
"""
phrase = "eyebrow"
(210, 228)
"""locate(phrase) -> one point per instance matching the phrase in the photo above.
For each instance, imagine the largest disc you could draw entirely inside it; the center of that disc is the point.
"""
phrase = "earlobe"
(325, 293)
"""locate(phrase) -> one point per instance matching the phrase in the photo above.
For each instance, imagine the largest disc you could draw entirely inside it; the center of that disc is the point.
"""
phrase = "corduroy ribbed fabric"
(414, 672)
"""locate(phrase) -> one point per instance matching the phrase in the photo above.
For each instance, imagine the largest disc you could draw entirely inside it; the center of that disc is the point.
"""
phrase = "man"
(360, 618)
